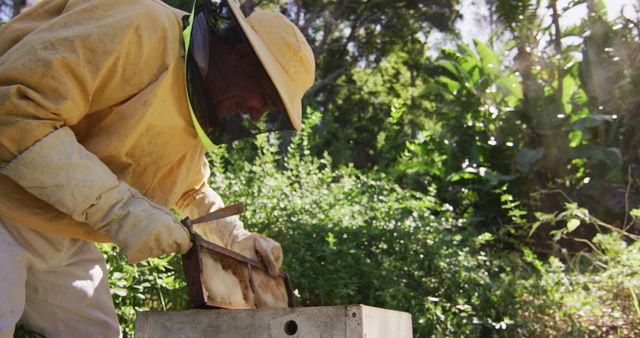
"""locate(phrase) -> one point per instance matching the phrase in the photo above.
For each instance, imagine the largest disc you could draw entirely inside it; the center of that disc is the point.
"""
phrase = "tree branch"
(557, 42)
(332, 77)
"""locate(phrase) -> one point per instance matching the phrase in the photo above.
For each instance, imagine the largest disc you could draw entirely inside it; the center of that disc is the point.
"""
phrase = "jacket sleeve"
(202, 200)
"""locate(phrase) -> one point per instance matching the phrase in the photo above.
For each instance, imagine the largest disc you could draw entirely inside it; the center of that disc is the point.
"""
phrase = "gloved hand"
(229, 232)
(262, 248)
(60, 171)
(139, 227)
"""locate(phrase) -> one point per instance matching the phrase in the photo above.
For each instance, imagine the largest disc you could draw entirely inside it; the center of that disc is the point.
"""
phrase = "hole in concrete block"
(353, 315)
(290, 327)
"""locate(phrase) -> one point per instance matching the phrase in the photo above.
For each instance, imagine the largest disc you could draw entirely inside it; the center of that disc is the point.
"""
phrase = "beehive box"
(344, 321)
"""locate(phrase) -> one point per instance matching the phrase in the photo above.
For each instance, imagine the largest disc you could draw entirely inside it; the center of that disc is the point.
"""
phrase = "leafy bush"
(154, 284)
(351, 237)
(591, 295)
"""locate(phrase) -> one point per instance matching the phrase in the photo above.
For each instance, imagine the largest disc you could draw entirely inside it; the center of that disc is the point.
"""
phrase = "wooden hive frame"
(242, 267)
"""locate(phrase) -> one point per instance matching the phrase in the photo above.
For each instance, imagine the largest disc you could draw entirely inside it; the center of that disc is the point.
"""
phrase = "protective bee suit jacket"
(113, 72)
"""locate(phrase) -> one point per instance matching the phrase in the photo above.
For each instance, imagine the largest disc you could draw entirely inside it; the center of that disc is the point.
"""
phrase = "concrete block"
(347, 321)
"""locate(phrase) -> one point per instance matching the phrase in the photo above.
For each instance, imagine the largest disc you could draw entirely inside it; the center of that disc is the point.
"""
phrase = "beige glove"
(230, 233)
(267, 249)
(60, 171)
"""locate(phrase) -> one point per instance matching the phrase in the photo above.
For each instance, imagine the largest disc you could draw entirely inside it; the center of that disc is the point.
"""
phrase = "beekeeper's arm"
(228, 232)
(51, 80)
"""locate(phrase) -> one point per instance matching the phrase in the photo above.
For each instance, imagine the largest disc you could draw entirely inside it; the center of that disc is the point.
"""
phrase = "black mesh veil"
(216, 18)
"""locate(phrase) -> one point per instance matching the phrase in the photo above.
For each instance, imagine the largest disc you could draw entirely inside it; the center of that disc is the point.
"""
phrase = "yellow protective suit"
(113, 72)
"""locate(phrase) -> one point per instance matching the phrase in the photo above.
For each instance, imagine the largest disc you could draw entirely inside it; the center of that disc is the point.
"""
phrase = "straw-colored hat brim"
(283, 82)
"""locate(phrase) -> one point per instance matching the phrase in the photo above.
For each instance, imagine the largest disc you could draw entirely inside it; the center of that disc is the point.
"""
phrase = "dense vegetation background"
(487, 189)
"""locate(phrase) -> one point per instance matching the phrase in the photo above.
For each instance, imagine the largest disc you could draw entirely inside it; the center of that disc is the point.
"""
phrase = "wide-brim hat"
(284, 53)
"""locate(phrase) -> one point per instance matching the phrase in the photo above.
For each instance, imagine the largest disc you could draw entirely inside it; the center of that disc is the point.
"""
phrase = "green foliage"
(592, 294)
(361, 239)
(154, 284)
(350, 237)
(356, 238)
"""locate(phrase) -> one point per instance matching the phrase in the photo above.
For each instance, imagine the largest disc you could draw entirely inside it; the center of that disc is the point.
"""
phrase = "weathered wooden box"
(351, 321)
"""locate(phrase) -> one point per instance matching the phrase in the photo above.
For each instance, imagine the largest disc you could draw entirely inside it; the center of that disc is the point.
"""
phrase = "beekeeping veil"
(277, 43)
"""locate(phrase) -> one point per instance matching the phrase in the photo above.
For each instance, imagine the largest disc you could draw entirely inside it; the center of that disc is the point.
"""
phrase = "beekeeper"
(106, 110)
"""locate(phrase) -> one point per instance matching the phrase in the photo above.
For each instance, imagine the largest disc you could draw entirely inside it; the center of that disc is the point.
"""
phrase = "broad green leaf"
(510, 84)
(534, 227)
(574, 138)
(450, 67)
(568, 88)
(490, 61)
(397, 108)
(465, 50)
(557, 234)
(474, 71)
(579, 97)
(610, 156)
(526, 158)
(331, 240)
(590, 122)
(517, 213)
(462, 175)
(572, 224)
(452, 85)
(469, 63)
(484, 237)
(571, 206)
(582, 213)
(613, 157)
(600, 8)
(573, 30)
